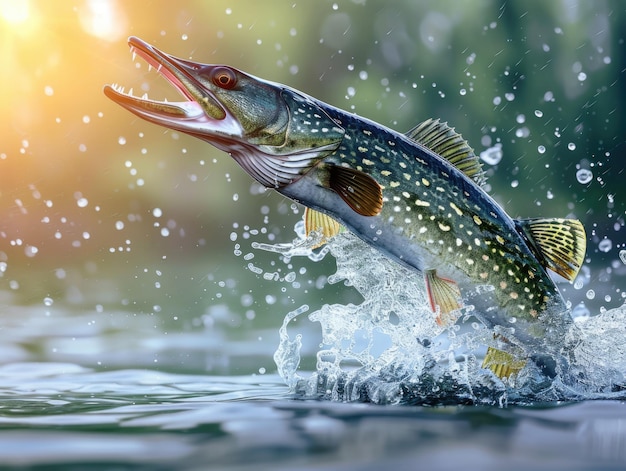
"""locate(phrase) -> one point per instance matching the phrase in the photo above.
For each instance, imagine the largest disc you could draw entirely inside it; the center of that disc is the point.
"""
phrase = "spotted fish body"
(434, 217)
(417, 197)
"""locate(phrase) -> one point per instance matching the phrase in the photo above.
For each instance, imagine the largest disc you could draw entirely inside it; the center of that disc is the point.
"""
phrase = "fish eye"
(224, 78)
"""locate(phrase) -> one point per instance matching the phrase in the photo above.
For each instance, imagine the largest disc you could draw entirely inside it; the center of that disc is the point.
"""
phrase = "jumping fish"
(417, 197)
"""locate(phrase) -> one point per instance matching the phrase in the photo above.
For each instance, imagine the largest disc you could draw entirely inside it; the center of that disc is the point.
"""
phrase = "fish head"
(275, 133)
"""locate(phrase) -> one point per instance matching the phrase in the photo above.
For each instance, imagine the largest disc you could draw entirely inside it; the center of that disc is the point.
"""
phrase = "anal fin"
(444, 297)
(503, 364)
(322, 223)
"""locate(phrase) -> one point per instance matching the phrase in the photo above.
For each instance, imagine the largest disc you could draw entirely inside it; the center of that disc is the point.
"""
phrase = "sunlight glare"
(15, 12)
(103, 19)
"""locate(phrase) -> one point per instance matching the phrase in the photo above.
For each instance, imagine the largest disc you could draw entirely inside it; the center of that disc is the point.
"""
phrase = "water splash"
(389, 349)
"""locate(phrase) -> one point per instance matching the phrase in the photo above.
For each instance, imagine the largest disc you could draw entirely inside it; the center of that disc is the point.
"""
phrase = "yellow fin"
(360, 191)
(502, 363)
(442, 293)
(560, 243)
(322, 223)
(444, 141)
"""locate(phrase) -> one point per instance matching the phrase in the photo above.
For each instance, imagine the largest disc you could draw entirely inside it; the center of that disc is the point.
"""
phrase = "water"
(387, 398)
(65, 416)
(389, 349)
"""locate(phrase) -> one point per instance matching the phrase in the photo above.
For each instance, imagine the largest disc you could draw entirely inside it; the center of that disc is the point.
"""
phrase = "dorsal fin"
(559, 243)
(449, 144)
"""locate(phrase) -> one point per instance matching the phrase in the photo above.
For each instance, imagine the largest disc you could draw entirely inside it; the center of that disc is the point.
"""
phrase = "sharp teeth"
(130, 92)
(144, 96)
(159, 67)
(134, 55)
(149, 67)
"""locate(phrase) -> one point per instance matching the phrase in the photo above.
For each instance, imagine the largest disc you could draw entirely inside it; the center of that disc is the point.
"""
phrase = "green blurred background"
(102, 213)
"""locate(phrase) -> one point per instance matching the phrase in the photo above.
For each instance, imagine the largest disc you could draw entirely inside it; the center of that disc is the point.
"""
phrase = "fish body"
(417, 197)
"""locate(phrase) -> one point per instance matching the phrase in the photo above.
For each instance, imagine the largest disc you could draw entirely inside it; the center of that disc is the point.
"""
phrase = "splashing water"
(389, 349)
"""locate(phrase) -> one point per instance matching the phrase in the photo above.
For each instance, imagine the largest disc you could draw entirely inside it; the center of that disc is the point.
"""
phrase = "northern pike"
(417, 197)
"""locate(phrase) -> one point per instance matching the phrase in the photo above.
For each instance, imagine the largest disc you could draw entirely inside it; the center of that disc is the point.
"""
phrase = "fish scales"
(428, 202)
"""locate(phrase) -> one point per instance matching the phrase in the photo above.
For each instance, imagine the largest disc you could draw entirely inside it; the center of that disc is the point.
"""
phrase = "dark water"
(67, 417)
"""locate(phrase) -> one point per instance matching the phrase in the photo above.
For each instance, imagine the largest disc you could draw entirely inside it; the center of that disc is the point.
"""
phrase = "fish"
(418, 197)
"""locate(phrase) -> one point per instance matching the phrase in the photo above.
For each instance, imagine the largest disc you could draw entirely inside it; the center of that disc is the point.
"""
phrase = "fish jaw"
(200, 112)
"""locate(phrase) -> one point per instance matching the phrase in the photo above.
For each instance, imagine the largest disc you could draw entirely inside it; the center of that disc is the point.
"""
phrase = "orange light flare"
(103, 19)
(47, 49)
(15, 12)
(54, 57)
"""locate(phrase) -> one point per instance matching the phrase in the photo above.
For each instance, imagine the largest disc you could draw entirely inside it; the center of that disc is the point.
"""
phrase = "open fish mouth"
(188, 116)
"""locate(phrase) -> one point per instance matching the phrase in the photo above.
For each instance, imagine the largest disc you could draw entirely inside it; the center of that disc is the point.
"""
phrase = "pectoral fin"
(443, 294)
(322, 223)
(502, 363)
(360, 191)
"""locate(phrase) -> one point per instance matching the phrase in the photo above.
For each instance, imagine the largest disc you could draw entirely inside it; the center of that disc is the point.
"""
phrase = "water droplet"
(622, 256)
(48, 90)
(184, 37)
(541, 149)
(492, 155)
(571, 146)
(584, 176)
(538, 113)
(605, 245)
(522, 132)
(82, 202)
(30, 250)
(582, 76)
(121, 140)
(363, 75)
(591, 294)
(119, 225)
(48, 301)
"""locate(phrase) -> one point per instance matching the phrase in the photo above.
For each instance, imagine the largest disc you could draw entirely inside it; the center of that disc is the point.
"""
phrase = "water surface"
(64, 416)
